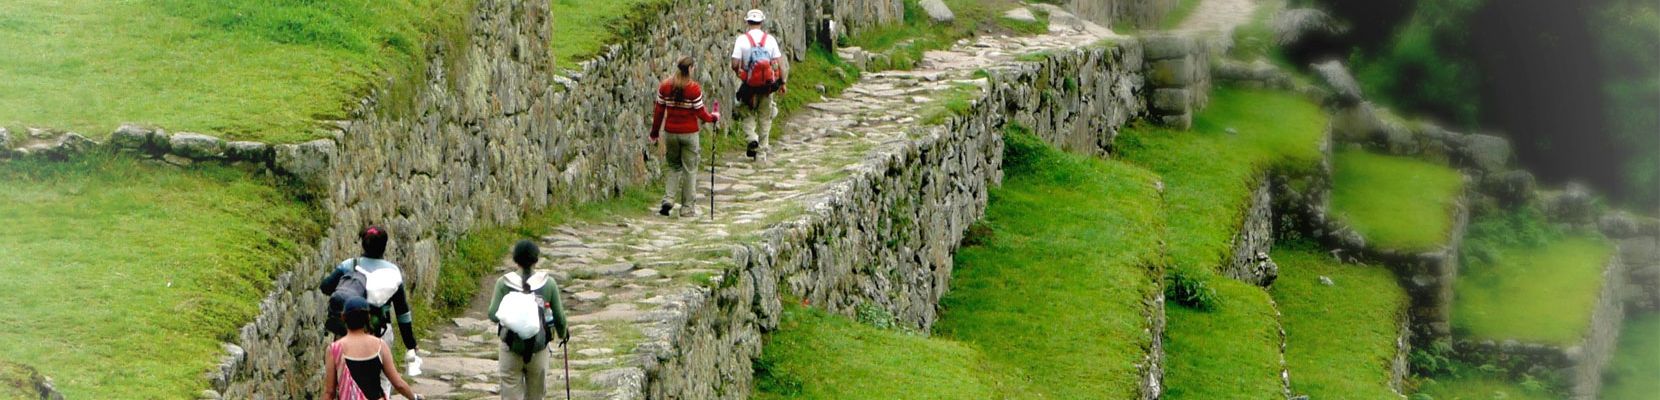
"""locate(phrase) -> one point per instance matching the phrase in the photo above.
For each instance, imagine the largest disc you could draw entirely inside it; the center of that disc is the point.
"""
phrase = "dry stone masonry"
(867, 213)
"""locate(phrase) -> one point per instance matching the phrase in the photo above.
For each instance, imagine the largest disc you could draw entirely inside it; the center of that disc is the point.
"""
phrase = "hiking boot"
(663, 210)
(688, 212)
(753, 147)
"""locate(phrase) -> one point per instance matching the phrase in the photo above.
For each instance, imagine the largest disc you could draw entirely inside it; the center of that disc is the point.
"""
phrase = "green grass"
(1340, 339)
(954, 101)
(1480, 388)
(1631, 375)
(1542, 294)
(1178, 13)
(905, 42)
(1055, 287)
(1208, 176)
(582, 28)
(815, 355)
(126, 276)
(244, 69)
(16, 382)
(1255, 39)
(1230, 352)
(1396, 203)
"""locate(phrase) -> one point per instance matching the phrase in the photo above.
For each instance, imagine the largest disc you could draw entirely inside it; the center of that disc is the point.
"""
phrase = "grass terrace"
(1054, 286)
(1631, 375)
(1229, 352)
(582, 28)
(1481, 388)
(1396, 203)
(815, 355)
(123, 275)
(1208, 175)
(906, 42)
(1541, 293)
(1340, 338)
(244, 69)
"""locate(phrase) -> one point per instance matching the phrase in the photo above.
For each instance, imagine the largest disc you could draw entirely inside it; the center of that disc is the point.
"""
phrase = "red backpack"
(758, 71)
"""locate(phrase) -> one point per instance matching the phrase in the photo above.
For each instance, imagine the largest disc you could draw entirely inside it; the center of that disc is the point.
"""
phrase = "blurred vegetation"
(1627, 36)
(1396, 203)
(1425, 66)
(1631, 375)
(1523, 280)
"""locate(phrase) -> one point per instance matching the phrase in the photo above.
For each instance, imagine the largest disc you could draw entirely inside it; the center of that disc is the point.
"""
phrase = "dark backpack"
(355, 285)
(526, 347)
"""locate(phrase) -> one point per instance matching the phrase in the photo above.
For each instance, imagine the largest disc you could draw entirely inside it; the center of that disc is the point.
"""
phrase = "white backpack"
(381, 284)
(520, 311)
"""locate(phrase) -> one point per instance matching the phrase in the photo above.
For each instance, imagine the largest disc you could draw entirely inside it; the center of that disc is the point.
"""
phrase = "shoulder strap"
(764, 36)
(751, 38)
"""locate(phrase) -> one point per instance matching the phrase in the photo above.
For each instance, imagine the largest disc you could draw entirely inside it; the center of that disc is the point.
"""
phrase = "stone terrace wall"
(484, 139)
(1248, 261)
(886, 236)
(1136, 13)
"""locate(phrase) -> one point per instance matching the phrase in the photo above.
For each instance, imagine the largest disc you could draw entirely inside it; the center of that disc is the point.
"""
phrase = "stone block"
(1486, 153)
(1172, 73)
(1178, 121)
(937, 10)
(5, 140)
(130, 137)
(1172, 101)
(307, 161)
(1344, 89)
(1514, 187)
(248, 151)
(1167, 46)
(196, 146)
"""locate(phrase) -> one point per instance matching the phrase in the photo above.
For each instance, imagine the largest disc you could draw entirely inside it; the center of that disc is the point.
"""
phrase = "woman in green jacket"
(523, 362)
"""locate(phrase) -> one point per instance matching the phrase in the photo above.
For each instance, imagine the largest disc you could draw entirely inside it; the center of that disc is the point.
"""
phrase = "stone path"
(1219, 16)
(626, 282)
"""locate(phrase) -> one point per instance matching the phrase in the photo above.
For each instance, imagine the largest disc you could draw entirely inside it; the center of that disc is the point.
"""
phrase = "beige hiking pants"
(681, 157)
(761, 114)
(522, 380)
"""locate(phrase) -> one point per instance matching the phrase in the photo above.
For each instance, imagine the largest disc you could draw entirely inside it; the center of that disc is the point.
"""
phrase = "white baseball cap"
(755, 16)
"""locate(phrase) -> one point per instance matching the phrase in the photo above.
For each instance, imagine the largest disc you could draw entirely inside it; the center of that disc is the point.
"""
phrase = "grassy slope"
(1539, 294)
(1631, 375)
(1479, 388)
(815, 355)
(1208, 176)
(125, 276)
(1055, 288)
(582, 28)
(1340, 338)
(1396, 203)
(246, 69)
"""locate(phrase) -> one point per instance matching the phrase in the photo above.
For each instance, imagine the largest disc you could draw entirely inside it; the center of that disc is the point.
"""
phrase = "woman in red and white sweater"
(679, 111)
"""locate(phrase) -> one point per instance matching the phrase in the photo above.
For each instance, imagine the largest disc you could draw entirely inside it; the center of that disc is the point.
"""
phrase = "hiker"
(359, 361)
(679, 110)
(526, 308)
(760, 69)
(379, 283)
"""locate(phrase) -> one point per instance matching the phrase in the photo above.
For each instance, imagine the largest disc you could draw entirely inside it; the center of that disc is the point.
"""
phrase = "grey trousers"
(682, 159)
(522, 380)
(761, 114)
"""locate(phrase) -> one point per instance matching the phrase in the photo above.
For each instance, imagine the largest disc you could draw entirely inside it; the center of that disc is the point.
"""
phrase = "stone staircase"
(627, 282)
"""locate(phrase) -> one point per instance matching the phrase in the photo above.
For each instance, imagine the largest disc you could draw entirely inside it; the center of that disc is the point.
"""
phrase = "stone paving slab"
(627, 282)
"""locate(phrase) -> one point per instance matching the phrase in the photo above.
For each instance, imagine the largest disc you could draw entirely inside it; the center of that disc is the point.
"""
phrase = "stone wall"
(886, 236)
(490, 132)
(1133, 13)
(1178, 76)
(1248, 261)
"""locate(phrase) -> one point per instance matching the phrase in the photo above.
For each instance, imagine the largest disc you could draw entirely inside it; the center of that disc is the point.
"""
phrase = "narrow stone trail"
(1219, 16)
(627, 282)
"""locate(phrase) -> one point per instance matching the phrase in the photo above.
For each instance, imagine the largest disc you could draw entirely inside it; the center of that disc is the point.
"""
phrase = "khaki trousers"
(522, 380)
(681, 157)
(761, 114)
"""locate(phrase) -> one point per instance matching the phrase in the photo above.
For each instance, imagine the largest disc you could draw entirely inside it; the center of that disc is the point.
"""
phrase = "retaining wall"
(886, 235)
(492, 131)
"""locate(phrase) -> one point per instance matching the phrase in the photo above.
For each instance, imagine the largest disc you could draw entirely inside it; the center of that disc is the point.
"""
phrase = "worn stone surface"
(1296, 24)
(196, 145)
(937, 10)
(1344, 89)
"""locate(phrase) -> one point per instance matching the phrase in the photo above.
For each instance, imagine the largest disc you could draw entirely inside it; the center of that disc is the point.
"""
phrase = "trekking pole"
(714, 151)
(567, 370)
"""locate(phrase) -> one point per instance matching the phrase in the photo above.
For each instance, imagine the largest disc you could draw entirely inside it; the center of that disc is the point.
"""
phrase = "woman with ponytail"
(679, 111)
(522, 363)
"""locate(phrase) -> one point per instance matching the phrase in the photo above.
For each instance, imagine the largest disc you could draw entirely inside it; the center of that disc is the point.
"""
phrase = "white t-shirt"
(742, 48)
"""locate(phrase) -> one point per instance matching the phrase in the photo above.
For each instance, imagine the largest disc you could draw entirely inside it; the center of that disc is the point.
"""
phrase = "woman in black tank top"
(358, 360)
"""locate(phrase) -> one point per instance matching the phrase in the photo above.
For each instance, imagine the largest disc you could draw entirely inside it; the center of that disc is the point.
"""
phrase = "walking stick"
(714, 151)
(567, 370)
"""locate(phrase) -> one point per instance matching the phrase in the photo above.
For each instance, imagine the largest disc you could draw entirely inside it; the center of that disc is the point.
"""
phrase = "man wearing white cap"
(760, 68)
